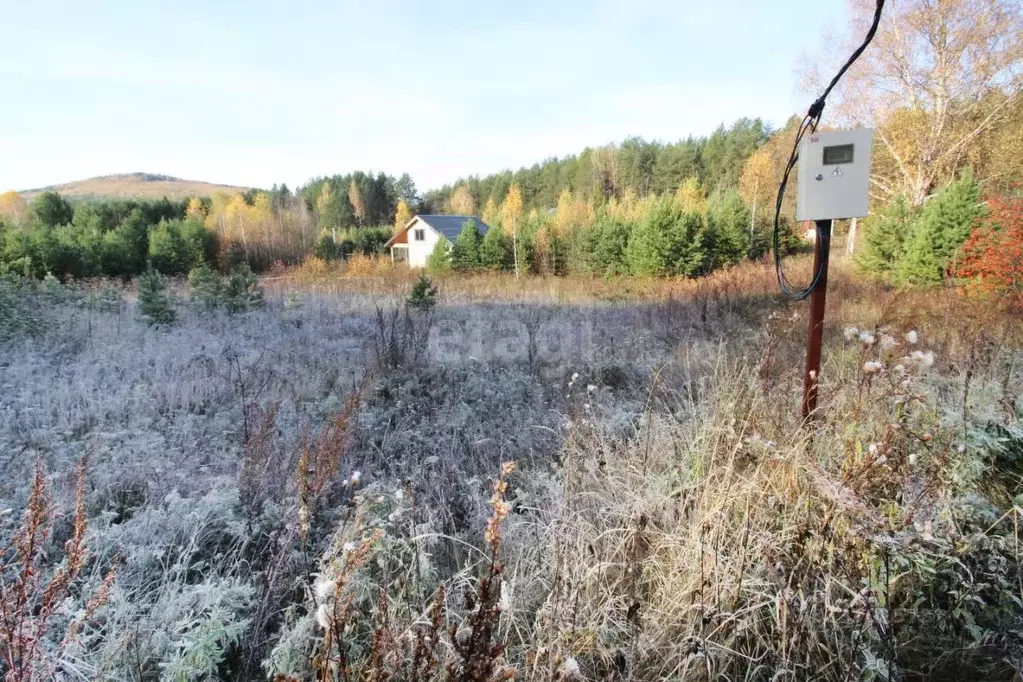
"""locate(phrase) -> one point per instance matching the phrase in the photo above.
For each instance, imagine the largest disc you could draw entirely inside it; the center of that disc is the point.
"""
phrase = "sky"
(256, 93)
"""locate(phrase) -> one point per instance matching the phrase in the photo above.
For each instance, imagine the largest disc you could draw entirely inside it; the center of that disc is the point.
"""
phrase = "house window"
(420, 235)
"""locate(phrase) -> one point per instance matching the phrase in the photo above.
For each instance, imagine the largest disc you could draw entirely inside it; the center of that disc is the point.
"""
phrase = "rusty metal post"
(811, 379)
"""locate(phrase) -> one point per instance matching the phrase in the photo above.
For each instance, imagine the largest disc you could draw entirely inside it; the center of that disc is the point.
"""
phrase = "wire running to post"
(810, 123)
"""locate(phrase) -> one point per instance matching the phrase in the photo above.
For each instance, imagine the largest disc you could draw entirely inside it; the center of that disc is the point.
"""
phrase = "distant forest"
(601, 173)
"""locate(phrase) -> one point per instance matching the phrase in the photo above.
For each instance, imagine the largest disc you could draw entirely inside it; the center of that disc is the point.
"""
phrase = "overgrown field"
(322, 487)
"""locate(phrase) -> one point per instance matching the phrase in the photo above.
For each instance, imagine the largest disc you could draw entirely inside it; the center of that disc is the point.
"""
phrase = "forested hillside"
(132, 186)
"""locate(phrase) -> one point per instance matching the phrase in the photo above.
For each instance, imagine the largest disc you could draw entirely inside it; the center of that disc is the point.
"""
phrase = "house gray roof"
(451, 225)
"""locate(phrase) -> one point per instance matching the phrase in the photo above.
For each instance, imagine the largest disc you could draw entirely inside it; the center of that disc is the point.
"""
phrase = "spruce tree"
(612, 238)
(495, 251)
(920, 264)
(242, 291)
(465, 254)
(688, 255)
(423, 295)
(647, 253)
(667, 241)
(580, 246)
(945, 222)
(53, 291)
(729, 223)
(206, 288)
(884, 237)
(439, 260)
(154, 303)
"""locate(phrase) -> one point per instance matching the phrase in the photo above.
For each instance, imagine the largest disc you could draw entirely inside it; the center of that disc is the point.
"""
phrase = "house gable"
(447, 227)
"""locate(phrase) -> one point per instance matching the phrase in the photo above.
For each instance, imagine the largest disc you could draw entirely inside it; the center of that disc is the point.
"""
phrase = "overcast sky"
(253, 93)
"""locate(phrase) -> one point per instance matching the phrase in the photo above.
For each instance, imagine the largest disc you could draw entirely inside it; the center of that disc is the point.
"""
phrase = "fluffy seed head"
(324, 589)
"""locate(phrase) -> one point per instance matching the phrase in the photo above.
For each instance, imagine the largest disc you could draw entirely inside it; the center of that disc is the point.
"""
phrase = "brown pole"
(822, 248)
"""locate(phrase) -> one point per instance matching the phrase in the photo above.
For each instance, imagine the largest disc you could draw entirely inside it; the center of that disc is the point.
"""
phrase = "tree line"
(122, 238)
(685, 233)
(113, 238)
(600, 174)
(948, 143)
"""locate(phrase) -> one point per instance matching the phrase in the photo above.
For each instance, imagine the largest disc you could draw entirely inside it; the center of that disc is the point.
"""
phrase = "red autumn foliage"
(992, 257)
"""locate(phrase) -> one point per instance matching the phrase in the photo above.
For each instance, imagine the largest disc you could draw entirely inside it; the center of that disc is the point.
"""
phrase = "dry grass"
(32, 592)
(676, 520)
(378, 277)
(727, 540)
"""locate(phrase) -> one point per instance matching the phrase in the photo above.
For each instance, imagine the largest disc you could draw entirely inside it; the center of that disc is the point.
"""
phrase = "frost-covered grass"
(272, 502)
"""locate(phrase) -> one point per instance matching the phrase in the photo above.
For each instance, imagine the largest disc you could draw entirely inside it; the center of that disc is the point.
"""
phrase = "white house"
(417, 240)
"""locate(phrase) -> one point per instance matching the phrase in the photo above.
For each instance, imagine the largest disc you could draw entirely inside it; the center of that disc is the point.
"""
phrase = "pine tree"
(495, 251)
(439, 260)
(668, 241)
(688, 254)
(728, 224)
(612, 238)
(920, 264)
(328, 208)
(206, 287)
(168, 252)
(154, 303)
(52, 290)
(884, 237)
(652, 243)
(242, 291)
(465, 254)
(944, 224)
(647, 251)
(423, 295)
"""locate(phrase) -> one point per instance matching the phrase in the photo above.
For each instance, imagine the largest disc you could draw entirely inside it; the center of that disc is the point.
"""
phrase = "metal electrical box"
(834, 175)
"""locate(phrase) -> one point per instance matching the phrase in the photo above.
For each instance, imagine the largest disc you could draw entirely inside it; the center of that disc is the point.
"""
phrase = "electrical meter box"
(834, 174)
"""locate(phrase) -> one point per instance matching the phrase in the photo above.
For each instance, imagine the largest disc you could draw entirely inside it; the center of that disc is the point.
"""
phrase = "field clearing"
(378, 277)
(669, 517)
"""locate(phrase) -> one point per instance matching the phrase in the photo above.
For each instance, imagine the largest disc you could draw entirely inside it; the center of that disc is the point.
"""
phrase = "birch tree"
(358, 203)
(511, 214)
(402, 215)
(938, 77)
(461, 202)
(13, 206)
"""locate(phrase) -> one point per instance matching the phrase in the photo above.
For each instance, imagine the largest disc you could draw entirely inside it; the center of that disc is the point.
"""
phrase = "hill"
(133, 186)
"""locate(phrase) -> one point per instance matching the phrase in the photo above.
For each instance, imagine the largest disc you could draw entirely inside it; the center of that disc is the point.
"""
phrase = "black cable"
(810, 122)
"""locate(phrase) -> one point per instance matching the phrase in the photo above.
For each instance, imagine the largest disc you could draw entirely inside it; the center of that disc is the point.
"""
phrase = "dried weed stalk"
(31, 595)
